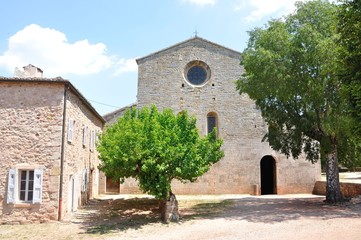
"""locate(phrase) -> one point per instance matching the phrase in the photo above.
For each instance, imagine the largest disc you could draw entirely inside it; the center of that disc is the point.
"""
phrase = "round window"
(197, 75)
(197, 72)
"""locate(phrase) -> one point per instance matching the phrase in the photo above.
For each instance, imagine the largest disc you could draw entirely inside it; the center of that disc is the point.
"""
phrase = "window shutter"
(84, 180)
(11, 186)
(70, 129)
(91, 140)
(38, 185)
(85, 129)
(97, 136)
(75, 192)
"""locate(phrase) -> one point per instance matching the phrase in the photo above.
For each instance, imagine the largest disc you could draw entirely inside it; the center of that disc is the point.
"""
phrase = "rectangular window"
(70, 129)
(92, 138)
(97, 136)
(84, 181)
(25, 185)
(85, 131)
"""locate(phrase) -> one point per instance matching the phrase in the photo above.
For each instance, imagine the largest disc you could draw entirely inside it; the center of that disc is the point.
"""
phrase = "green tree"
(349, 28)
(291, 73)
(155, 148)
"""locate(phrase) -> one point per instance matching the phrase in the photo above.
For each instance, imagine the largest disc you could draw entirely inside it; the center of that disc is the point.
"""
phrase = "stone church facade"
(199, 76)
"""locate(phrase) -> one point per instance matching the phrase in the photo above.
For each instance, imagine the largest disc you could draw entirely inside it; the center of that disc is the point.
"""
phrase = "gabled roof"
(112, 116)
(193, 39)
(53, 81)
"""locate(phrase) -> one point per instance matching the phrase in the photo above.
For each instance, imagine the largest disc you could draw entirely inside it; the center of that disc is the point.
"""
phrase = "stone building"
(199, 76)
(48, 160)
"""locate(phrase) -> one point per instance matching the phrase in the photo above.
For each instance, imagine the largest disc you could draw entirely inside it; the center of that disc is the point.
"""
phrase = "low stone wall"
(347, 189)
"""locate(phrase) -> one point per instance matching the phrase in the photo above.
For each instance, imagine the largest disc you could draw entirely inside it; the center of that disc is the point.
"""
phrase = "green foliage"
(155, 148)
(349, 28)
(292, 74)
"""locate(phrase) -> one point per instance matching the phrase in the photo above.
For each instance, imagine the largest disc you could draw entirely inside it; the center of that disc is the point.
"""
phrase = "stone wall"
(30, 127)
(348, 190)
(31, 120)
(161, 82)
(80, 155)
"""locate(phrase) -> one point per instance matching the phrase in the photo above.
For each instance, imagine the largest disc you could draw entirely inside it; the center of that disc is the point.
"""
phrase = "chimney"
(30, 71)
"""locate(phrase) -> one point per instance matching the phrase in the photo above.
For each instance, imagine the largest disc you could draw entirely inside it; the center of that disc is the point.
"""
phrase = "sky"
(94, 43)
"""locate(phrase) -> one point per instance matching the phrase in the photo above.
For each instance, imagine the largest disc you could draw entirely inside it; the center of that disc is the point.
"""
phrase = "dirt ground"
(203, 217)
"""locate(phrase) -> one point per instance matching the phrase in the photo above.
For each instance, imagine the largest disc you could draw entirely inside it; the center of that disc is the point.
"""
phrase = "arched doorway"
(268, 175)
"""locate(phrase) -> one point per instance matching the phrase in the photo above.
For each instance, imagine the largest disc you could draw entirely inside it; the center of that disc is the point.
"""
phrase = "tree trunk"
(333, 192)
(169, 209)
(162, 208)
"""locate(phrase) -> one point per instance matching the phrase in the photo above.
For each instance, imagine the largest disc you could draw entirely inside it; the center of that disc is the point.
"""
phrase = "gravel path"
(204, 217)
(273, 217)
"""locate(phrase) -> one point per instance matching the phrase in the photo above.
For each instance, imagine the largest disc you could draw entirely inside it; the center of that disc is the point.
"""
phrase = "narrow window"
(211, 122)
(97, 136)
(85, 130)
(91, 144)
(70, 129)
(84, 180)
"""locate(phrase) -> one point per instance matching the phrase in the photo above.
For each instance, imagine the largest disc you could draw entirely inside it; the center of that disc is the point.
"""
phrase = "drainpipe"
(66, 87)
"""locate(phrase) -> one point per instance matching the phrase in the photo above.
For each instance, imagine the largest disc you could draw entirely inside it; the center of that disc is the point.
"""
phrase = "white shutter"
(94, 134)
(84, 180)
(97, 136)
(11, 186)
(70, 129)
(85, 129)
(92, 140)
(38, 185)
(75, 192)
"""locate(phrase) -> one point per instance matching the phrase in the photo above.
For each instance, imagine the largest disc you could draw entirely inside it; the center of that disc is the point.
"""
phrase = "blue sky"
(94, 43)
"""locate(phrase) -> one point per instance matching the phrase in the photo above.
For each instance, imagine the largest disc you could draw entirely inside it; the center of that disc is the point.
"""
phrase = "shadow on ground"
(105, 216)
(273, 210)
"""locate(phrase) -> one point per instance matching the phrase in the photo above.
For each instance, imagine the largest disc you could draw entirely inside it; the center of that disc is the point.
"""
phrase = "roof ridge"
(182, 42)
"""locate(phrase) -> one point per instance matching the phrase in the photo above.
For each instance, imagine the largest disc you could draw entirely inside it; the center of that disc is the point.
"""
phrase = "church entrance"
(268, 175)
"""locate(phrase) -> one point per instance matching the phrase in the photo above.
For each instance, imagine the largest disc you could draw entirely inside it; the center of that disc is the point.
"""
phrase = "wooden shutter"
(11, 186)
(85, 136)
(70, 129)
(84, 180)
(38, 185)
(97, 136)
(92, 135)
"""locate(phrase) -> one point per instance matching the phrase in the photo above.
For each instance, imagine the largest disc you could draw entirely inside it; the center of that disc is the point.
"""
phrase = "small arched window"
(212, 122)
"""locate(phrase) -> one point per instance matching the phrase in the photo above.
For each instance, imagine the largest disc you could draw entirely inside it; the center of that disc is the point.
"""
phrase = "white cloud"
(126, 65)
(201, 2)
(50, 50)
(261, 8)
